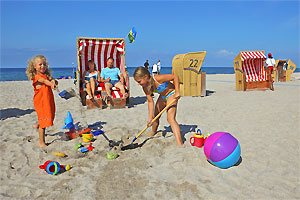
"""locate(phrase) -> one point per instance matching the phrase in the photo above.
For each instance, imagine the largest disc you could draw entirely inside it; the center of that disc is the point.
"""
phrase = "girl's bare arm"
(47, 82)
(150, 104)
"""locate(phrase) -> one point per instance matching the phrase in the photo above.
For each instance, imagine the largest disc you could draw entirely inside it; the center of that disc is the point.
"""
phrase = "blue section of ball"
(230, 160)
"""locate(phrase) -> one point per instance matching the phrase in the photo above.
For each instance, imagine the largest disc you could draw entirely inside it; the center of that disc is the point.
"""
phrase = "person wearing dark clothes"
(146, 65)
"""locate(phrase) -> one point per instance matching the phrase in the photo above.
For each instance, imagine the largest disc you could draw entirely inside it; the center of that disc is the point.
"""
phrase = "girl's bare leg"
(88, 89)
(42, 143)
(171, 117)
(93, 86)
(159, 106)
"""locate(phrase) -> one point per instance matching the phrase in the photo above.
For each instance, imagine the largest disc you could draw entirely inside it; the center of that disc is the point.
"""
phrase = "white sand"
(266, 124)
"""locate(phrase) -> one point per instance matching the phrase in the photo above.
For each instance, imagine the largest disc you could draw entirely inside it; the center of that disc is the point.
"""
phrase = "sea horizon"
(18, 74)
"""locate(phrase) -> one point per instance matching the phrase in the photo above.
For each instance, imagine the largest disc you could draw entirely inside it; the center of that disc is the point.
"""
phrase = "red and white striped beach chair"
(250, 72)
(98, 50)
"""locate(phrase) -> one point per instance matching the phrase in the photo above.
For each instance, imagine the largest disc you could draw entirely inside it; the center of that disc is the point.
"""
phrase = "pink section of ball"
(209, 142)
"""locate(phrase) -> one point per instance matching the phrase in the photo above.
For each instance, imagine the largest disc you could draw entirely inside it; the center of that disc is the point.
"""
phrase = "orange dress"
(43, 101)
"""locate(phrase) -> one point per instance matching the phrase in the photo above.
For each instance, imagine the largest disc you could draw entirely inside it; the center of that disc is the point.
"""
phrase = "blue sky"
(165, 28)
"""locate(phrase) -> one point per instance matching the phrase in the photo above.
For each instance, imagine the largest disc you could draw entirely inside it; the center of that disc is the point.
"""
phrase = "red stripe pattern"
(253, 65)
(99, 50)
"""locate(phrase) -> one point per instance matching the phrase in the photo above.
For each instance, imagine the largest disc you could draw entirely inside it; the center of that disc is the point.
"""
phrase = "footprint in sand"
(28, 138)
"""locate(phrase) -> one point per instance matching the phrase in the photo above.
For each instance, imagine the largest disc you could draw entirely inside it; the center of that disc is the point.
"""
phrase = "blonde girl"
(168, 91)
(43, 99)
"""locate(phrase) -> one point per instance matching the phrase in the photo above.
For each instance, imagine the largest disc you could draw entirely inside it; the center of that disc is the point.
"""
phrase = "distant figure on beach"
(158, 67)
(125, 75)
(91, 78)
(146, 64)
(281, 67)
(285, 66)
(270, 67)
(112, 77)
(154, 69)
(43, 99)
(168, 91)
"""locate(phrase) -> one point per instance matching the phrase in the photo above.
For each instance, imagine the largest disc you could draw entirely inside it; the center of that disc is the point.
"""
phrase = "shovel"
(153, 120)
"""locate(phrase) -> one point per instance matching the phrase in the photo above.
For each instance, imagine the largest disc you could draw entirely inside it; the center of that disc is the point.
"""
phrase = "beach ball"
(222, 149)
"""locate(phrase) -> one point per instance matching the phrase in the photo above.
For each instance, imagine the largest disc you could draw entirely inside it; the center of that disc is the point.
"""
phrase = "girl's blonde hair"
(30, 70)
(141, 72)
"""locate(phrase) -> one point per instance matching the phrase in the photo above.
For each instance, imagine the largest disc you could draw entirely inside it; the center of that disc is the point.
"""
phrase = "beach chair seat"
(97, 102)
(117, 100)
(250, 72)
(100, 98)
(98, 50)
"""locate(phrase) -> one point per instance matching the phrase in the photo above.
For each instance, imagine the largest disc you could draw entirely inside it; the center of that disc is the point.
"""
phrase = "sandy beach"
(266, 123)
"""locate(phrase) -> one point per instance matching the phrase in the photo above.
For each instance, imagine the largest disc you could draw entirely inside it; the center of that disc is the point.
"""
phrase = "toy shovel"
(153, 120)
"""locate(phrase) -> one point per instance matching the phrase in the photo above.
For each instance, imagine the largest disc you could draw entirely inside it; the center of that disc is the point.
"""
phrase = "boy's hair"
(30, 70)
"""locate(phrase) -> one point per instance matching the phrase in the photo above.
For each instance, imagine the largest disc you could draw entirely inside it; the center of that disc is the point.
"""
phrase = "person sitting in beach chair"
(91, 78)
(112, 77)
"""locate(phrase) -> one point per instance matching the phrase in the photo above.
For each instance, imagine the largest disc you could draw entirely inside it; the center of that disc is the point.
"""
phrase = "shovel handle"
(153, 120)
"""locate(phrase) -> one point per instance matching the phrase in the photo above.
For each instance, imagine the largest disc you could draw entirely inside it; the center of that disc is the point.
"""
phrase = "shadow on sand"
(184, 128)
(133, 101)
(14, 112)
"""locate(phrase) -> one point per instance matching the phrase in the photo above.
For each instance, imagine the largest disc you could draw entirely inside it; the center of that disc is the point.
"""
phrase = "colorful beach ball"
(222, 149)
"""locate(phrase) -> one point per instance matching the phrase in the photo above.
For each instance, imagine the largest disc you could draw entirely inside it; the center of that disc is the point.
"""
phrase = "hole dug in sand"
(124, 143)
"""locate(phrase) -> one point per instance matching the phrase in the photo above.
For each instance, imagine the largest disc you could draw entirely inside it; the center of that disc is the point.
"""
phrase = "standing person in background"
(154, 69)
(43, 99)
(158, 67)
(146, 64)
(270, 66)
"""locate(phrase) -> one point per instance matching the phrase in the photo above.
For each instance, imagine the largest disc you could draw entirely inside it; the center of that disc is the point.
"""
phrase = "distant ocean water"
(18, 74)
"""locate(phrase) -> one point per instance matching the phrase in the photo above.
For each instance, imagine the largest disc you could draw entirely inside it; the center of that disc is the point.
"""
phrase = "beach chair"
(188, 68)
(249, 71)
(98, 50)
(285, 69)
